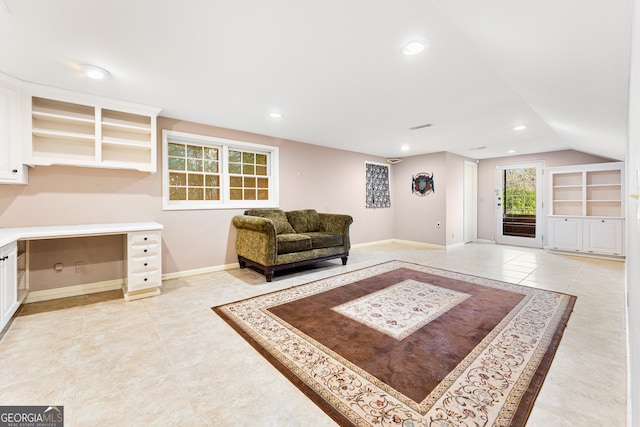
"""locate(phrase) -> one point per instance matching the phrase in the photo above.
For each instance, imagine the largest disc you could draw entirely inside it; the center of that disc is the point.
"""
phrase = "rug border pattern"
(494, 403)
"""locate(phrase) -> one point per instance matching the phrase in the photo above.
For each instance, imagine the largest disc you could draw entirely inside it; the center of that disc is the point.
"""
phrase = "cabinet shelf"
(126, 143)
(62, 111)
(55, 134)
(112, 124)
(57, 116)
(75, 129)
(588, 190)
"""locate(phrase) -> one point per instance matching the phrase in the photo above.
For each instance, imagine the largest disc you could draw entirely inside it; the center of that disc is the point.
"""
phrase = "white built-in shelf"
(587, 190)
(74, 129)
(587, 209)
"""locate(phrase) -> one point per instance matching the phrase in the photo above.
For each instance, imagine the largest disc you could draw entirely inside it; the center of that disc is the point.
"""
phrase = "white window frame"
(224, 145)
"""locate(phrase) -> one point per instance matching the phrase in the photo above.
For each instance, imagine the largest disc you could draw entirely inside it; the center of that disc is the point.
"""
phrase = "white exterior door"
(519, 204)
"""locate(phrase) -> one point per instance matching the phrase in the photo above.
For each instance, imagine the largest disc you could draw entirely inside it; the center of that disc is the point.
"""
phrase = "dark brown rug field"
(407, 345)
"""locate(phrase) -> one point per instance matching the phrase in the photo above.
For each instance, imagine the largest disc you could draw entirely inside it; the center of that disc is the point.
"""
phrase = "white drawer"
(143, 238)
(144, 250)
(138, 264)
(143, 280)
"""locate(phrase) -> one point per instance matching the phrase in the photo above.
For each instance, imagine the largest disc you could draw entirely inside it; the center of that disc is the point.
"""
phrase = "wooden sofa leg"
(268, 273)
(344, 260)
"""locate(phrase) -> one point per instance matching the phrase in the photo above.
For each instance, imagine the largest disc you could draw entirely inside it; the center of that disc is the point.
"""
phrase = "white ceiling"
(334, 68)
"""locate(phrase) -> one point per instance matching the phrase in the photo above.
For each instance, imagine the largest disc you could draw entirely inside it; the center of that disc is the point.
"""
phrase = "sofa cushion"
(304, 221)
(276, 215)
(324, 240)
(288, 243)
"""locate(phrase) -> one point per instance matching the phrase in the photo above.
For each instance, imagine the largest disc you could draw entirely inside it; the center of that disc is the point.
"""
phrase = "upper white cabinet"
(67, 128)
(587, 208)
(12, 170)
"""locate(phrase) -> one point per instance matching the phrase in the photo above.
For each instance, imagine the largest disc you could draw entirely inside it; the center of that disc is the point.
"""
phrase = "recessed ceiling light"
(275, 115)
(95, 73)
(519, 127)
(4, 9)
(405, 147)
(511, 151)
(415, 47)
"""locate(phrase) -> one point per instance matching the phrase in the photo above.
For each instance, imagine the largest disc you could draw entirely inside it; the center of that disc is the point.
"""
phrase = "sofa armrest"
(256, 238)
(337, 224)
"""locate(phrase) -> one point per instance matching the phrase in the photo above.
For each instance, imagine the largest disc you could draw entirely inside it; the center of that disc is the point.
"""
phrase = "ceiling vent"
(421, 126)
(393, 161)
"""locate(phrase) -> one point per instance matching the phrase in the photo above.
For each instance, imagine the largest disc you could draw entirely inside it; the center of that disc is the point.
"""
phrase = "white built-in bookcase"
(587, 208)
(67, 128)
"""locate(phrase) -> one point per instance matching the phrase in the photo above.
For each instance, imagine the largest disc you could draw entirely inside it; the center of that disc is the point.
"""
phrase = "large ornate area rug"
(400, 344)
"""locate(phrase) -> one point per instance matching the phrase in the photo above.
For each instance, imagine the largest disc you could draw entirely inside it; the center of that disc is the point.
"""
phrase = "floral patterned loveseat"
(272, 239)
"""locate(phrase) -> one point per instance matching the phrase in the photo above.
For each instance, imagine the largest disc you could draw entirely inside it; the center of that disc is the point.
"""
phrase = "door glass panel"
(519, 202)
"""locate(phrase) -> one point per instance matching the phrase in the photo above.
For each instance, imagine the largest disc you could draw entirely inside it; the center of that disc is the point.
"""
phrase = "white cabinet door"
(603, 236)
(12, 171)
(8, 285)
(565, 234)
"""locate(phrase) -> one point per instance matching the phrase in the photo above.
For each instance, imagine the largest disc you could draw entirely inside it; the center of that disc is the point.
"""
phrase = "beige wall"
(99, 258)
(321, 178)
(326, 179)
(455, 199)
(487, 182)
(416, 216)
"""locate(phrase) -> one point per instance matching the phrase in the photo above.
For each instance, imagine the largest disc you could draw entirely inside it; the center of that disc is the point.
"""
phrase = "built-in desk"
(143, 258)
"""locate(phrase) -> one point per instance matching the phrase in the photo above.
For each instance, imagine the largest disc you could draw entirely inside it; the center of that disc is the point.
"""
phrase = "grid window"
(205, 172)
(248, 178)
(194, 171)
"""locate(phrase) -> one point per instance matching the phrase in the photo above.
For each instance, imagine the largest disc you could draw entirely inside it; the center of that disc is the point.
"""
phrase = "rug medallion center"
(403, 308)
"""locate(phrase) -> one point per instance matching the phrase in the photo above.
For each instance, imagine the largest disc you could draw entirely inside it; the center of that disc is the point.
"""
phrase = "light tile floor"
(171, 361)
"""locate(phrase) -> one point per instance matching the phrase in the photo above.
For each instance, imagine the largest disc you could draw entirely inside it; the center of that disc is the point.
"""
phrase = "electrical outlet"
(79, 267)
(437, 224)
(57, 267)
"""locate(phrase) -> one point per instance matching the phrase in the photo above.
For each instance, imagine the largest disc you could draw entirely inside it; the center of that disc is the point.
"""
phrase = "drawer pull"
(146, 238)
(146, 250)
(145, 264)
(145, 279)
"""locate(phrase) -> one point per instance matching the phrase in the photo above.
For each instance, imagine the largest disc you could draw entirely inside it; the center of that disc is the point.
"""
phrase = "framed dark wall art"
(422, 184)
(377, 187)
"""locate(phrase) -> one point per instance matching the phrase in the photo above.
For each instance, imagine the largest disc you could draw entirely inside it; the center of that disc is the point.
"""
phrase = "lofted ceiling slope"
(336, 72)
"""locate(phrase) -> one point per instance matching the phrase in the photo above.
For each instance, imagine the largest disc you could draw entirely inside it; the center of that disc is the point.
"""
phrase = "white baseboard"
(374, 243)
(198, 271)
(72, 291)
(455, 245)
(398, 241)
